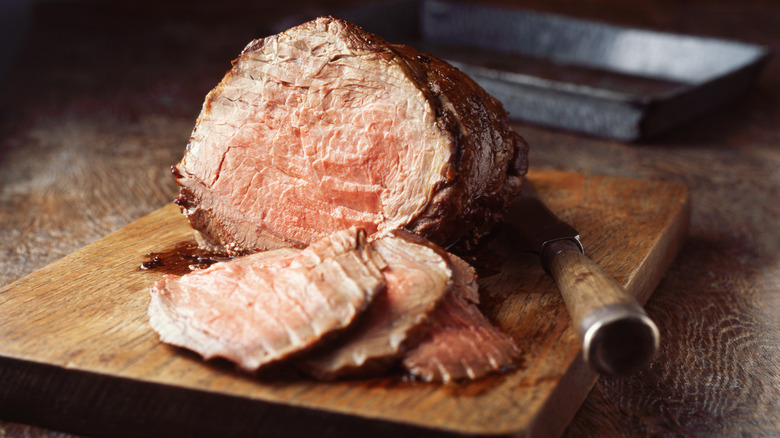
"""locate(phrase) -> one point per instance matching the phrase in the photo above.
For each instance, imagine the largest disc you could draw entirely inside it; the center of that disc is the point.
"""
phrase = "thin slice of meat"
(325, 126)
(461, 342)
(417, 276)
(261, 308)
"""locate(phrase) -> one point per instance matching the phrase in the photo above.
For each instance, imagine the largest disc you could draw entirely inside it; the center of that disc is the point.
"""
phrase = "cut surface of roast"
(418, 277)
(461, 343)
(324, 126)
(261, 308)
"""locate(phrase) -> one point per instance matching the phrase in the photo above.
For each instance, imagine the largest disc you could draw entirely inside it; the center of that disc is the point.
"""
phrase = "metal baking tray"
(600, 79)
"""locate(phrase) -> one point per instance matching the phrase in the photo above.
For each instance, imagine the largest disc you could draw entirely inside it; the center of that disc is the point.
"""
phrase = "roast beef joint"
(332, 168)
(325, 126)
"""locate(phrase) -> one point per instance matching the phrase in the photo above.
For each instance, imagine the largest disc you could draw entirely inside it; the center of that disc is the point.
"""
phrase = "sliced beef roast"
(257, 309)
(461, 342)
(325, 126)
(417, 276)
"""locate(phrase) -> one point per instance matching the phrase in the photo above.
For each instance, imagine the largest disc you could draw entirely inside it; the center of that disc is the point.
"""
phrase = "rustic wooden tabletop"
(103, 96)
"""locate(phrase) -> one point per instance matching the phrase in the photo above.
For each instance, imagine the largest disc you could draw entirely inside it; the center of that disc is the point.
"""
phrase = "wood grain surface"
(85, 317)
(95, 111)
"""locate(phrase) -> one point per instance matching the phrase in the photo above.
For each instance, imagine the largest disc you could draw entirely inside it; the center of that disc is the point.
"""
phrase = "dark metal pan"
(586, 76)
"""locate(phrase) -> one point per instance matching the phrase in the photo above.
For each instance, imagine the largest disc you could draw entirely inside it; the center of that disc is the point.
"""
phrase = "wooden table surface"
(102, 99)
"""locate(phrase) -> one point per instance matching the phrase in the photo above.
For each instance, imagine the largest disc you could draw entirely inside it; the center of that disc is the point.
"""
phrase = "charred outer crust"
(466, 112)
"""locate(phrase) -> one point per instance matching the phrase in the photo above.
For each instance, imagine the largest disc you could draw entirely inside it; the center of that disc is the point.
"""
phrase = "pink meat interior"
(307, 136)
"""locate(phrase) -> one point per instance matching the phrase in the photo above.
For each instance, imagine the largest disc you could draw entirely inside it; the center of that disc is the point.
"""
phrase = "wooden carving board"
(77, 353)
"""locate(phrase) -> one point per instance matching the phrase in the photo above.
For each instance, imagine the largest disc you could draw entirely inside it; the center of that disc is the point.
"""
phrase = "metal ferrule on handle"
(617, 335)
